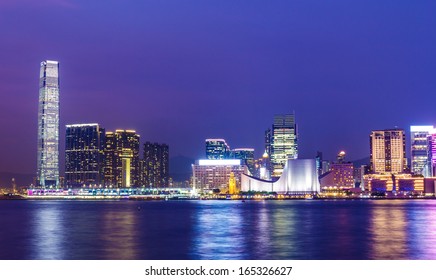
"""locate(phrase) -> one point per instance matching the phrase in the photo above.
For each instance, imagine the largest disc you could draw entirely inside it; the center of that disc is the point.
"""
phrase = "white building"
(299, 176)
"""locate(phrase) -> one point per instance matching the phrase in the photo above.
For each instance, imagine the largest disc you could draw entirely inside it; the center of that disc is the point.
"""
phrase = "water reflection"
(422, 229)
(388, 230)
(219, 231)
(48, 230)
(119, 236)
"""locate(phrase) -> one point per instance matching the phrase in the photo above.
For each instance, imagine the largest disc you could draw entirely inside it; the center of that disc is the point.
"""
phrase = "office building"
(388, 151)
(121, 154)
(217, 149)
(84, 159)
(215, 174)
(419, 144)
(281, 142)
(246, 155)
(155, 165)
(48, 125)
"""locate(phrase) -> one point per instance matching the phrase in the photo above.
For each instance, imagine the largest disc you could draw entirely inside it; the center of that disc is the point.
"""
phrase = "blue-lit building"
(48, 125)
(217, 149)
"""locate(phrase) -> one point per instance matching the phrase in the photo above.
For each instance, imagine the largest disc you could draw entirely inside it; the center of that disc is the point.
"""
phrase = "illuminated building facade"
(299, 177)
(246, 155)
(121, 154)
(388, 151)
(156, 165)
(282, 142)
(429, 169)
(419, 142)
(340, 177)
(380, 183)
(208, 175)
(84, 159)
(48, 125)
(217, 149)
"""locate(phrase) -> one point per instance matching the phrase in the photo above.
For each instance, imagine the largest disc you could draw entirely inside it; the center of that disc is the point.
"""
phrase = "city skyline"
(179, 76)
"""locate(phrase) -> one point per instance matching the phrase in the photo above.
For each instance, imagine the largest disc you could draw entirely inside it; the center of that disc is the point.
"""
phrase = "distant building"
(281, 142)
(262, 167)
(246, 155)
(388, 151)
(340, 176)
(429, 169)
(217, 149)
(84, 158)
(215, 174)
(419, 144)
(299, 177)
(381, 183)
(48, 125)
(121, 153)
(156, 165)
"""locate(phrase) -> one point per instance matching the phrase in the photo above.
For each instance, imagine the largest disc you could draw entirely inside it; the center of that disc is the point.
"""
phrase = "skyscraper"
(84, 155)
(246, 155)
(121, 154)
(156, 165)
(283, 142)
(48, 125)
(419, 141)
(217, 149)
(388, 151)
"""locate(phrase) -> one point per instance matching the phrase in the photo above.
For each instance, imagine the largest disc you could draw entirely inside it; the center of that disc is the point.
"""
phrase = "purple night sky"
(181, 71)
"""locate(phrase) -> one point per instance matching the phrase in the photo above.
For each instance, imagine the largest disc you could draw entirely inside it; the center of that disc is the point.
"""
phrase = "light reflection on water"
(48, 229)
(400, 229)
(388, 230)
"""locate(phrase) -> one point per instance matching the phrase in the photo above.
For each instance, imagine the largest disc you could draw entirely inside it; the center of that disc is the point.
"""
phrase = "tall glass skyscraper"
(419, 143)
(283, 141)
(217, 149)
(48, 125)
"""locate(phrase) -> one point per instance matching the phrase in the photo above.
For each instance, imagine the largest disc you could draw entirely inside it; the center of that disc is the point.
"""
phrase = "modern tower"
(156, 165)
(388, 151)
(217, 149)
(419, 142)
(246, 155)
(283, 142)
(48, 125)
(121, 154)
(84, 155)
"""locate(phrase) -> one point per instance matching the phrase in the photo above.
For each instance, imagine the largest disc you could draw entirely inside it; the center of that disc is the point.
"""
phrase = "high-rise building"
(419, 141)
(283, 142)
(429, 169)
(388, 151)
(84, 160)
(217, 149)
(246, 155)
(48, 125)
(121, 154)
(156, 165)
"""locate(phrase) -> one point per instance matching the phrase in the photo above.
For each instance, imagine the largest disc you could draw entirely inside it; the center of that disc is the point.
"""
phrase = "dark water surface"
(307, 230)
